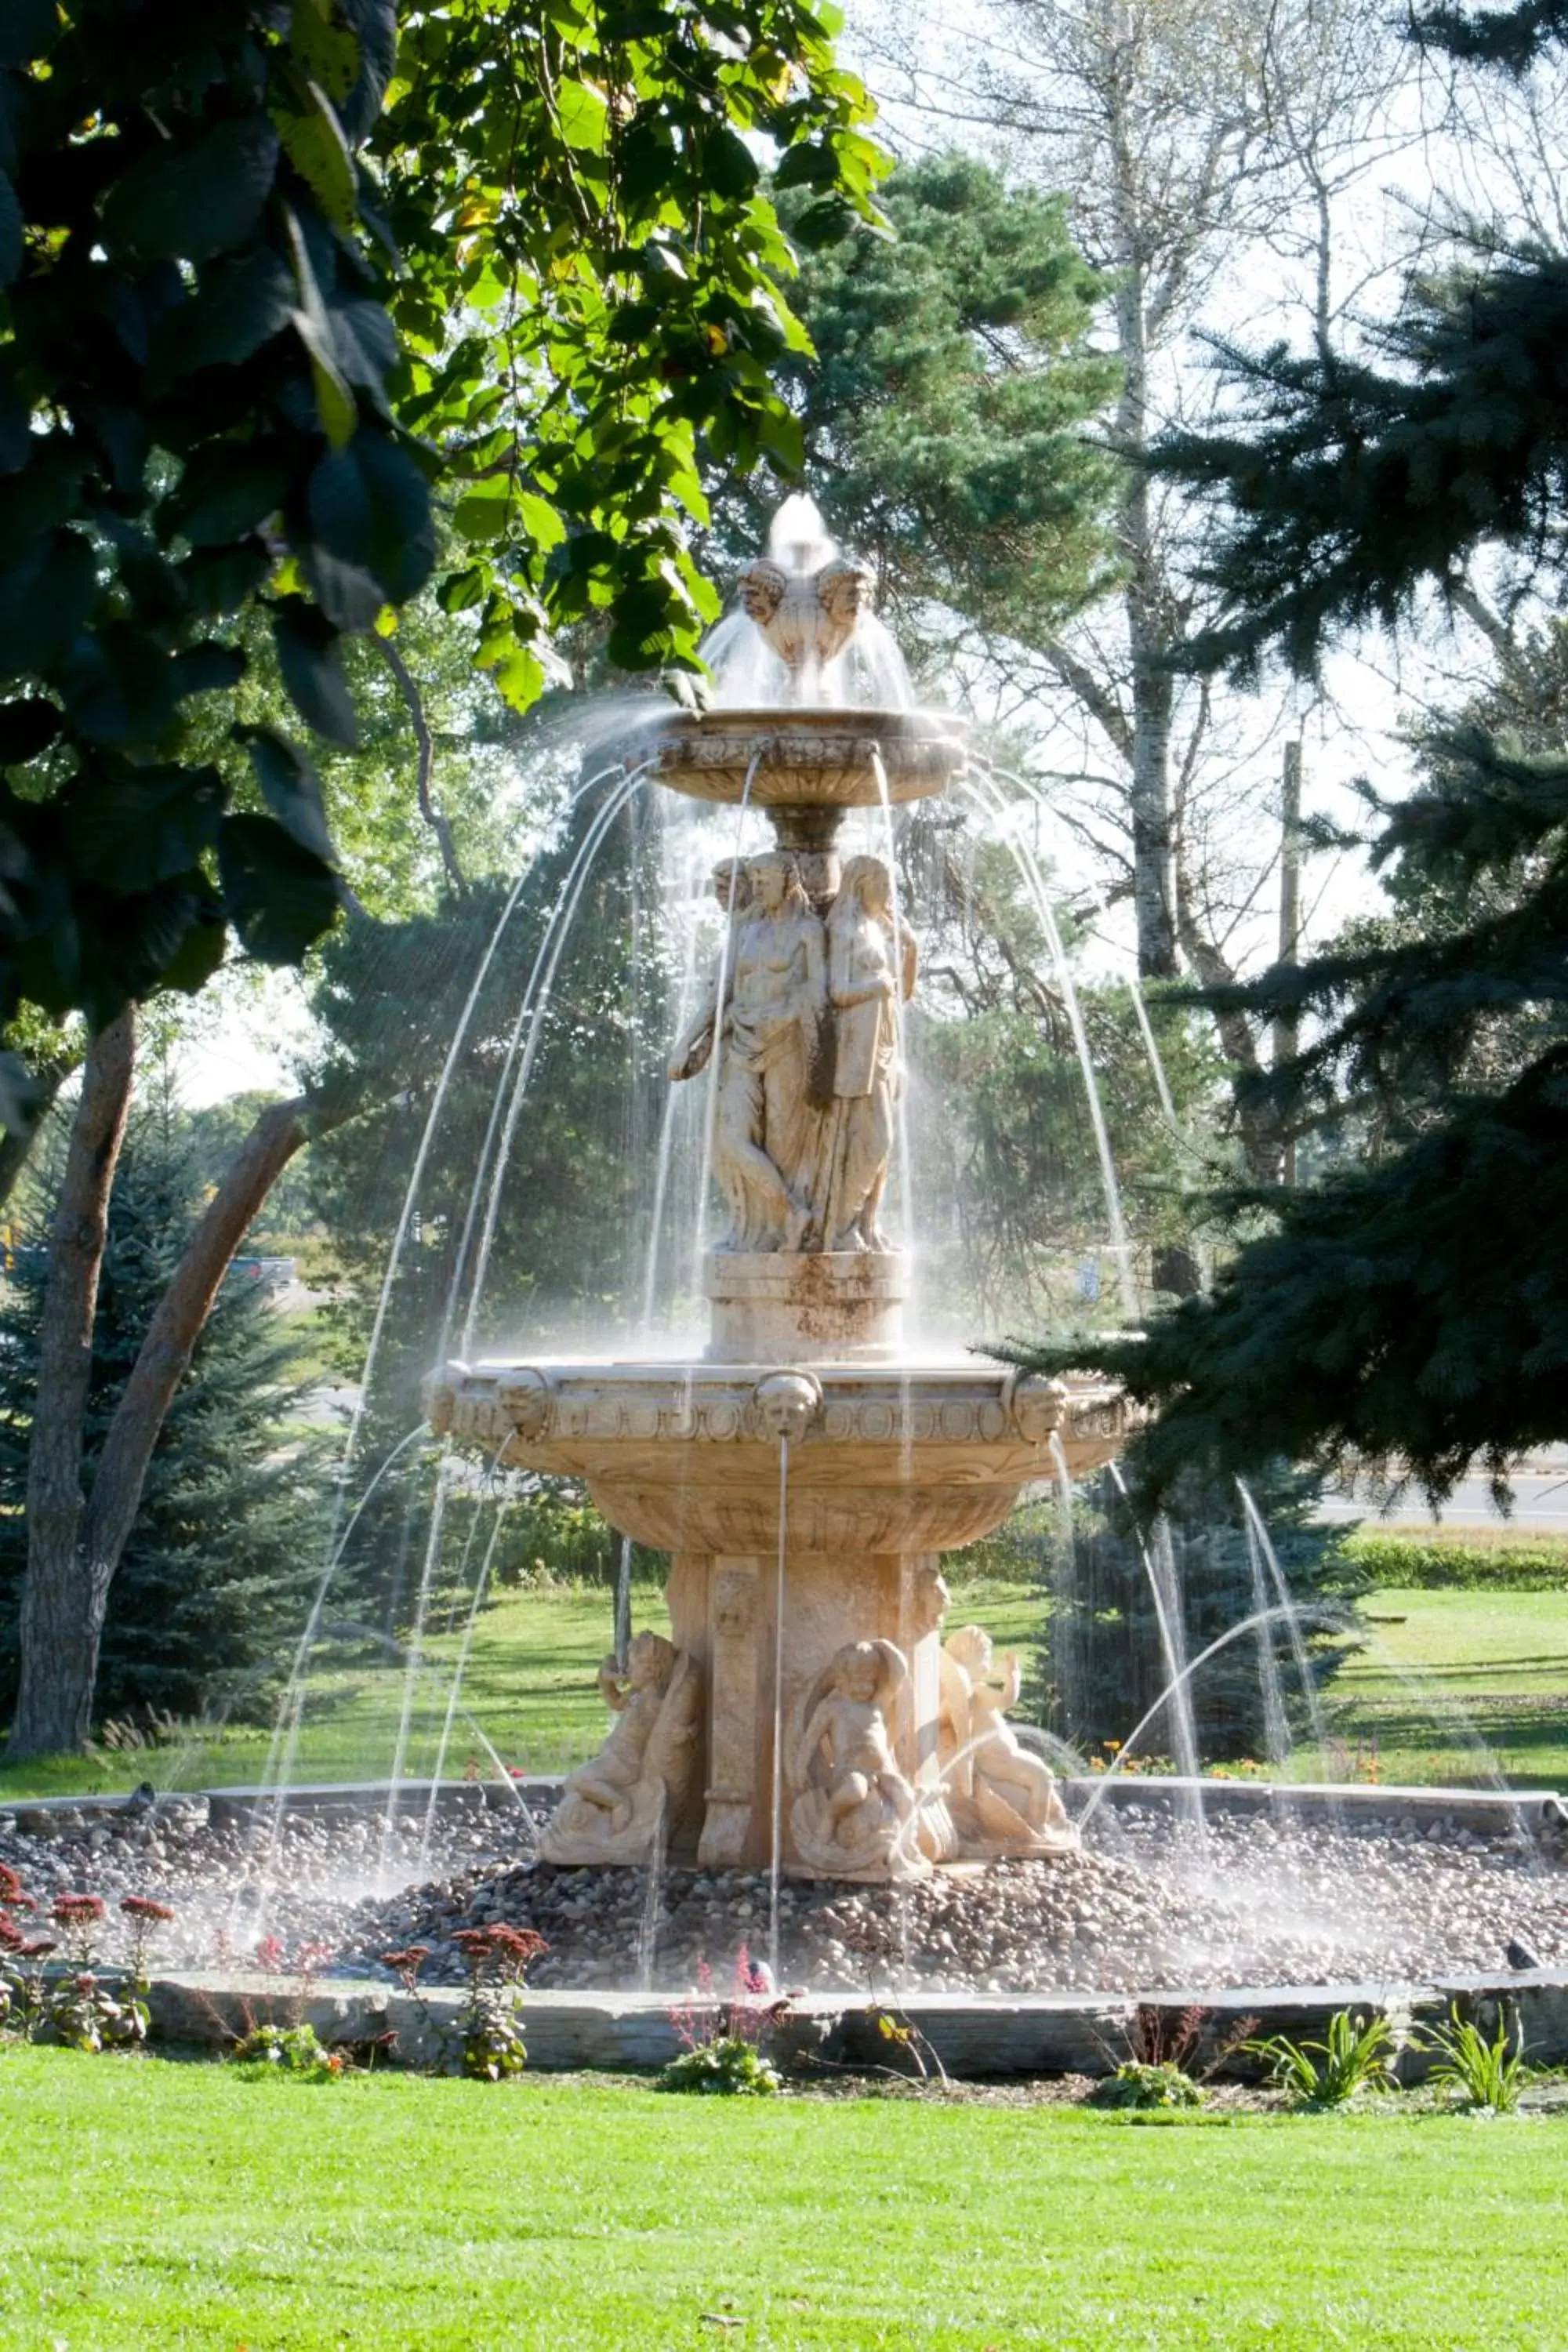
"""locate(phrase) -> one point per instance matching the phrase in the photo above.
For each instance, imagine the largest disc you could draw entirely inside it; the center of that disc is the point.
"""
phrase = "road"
(1539, 1501)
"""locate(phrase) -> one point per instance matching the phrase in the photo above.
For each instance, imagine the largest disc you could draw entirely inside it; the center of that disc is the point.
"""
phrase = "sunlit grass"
(188, 2211)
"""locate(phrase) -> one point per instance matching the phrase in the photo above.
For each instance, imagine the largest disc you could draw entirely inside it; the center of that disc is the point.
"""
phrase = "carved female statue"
(1013, 1793)
(855, 1809)
(869, 972)
(767, 1136)
(612, 1806)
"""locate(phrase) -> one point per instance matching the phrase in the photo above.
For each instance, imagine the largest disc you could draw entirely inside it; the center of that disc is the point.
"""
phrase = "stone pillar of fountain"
(814, 1604)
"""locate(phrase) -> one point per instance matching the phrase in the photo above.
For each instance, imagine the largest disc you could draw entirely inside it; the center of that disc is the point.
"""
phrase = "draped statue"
(803, 1162)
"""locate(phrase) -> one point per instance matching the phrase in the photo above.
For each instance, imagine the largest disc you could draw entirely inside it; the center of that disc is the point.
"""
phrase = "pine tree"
(1102, 1664)
(1411, 1307)
(213, 1582)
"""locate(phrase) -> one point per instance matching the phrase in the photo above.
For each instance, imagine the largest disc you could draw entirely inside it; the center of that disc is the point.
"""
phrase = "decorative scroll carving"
(615, 1807)
(854, 1814)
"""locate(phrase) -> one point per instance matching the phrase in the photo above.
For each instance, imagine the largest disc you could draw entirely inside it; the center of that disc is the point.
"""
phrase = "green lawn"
(154, 2207)
(1434, 1659)
(1500, 1658)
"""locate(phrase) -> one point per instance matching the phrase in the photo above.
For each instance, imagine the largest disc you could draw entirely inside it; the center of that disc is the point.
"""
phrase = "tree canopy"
(305, 304)
(1411, 1307)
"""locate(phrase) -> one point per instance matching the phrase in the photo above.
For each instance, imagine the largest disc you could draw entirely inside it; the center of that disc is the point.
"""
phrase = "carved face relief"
(526, 1399)
(762, 586)
(787, 1404)
(734, 1592)
(1034, 1405)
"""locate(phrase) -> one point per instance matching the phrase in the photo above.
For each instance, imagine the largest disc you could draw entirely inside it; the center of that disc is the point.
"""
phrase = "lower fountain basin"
(882, 1458)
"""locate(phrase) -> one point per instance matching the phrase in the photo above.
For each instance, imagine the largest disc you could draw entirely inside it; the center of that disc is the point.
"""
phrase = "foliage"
(265, 291)
(287, 2050)
(497, 1960)
(945, 414)
(1445, 1561)
(1136, 2084)
(1488, 2073)
(1356, 2056)
(214, 1574)
(1102, 1662)
(729, 2067)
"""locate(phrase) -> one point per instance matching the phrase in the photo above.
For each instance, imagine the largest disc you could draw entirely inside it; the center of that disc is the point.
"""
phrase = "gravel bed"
(1147, 1905)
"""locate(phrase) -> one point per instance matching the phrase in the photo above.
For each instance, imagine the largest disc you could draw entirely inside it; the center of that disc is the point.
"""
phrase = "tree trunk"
(58, 1633)
(60, 1642)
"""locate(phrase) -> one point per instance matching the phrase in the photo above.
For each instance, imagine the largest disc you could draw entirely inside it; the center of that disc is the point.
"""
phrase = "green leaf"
(369, 506)
(193, 201)
(290, 787)
(228, 488)
(541, 521)
(462, 591)
(483, 513)
(729, 166)
(324, 45)
(279, 895)
(311, 659)
(219, 584)
(43, 601)
(10, 232)
(519, 675)
(239, 305)
(134, 828)
(196, 958)
(805, 167)
(824, 223)
(583, 116)
(314, 143)
(119, 688)
(335, 401)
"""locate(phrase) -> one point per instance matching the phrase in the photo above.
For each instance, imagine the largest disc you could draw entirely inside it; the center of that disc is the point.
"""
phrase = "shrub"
(727, 2067)
(1465, 1560)
(1135, 2085)
(287, 2050)
(1355, 2057)
(1487, 2074)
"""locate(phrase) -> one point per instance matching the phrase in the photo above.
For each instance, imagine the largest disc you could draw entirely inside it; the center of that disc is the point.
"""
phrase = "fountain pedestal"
(869, 1471)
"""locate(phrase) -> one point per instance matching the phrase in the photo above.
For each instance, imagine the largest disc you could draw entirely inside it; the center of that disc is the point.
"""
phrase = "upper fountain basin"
(684, 1457)
(805, 756)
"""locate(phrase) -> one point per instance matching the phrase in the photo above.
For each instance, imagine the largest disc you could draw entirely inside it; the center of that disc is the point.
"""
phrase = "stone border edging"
(987, 2036)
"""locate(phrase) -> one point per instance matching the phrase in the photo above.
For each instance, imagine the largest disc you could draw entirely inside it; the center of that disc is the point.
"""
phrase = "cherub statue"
(855, 1815)
(1001, 1795)
(612, 1807)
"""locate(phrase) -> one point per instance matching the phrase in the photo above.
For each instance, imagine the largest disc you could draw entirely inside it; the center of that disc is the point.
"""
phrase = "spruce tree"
(213, 1583)
(1410, 1307)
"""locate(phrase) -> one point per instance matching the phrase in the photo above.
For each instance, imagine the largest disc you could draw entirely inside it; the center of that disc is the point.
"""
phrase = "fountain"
(807, 1475)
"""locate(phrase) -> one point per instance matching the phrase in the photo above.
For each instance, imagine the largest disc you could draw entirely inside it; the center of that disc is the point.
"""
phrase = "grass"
(1498, 1658)
(192, 2211)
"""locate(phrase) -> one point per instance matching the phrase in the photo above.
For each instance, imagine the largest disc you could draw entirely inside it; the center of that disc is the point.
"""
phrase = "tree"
(266, 302)
(1102, 1664)
(254, 317)
(1409, 1309)
(214, 1571)
(946, 410)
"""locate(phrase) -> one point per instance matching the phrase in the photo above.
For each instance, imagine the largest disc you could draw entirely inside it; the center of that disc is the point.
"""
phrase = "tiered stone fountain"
(807, 1475)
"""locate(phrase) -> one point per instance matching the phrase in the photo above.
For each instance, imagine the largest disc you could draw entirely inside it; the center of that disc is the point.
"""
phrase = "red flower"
(77, 1910)
(11, 1936)
(39, 1950)
(11, 1893)
(142, 1906)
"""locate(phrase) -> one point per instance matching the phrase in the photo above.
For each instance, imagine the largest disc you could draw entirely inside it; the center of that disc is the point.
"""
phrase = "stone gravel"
(1147, 1905)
